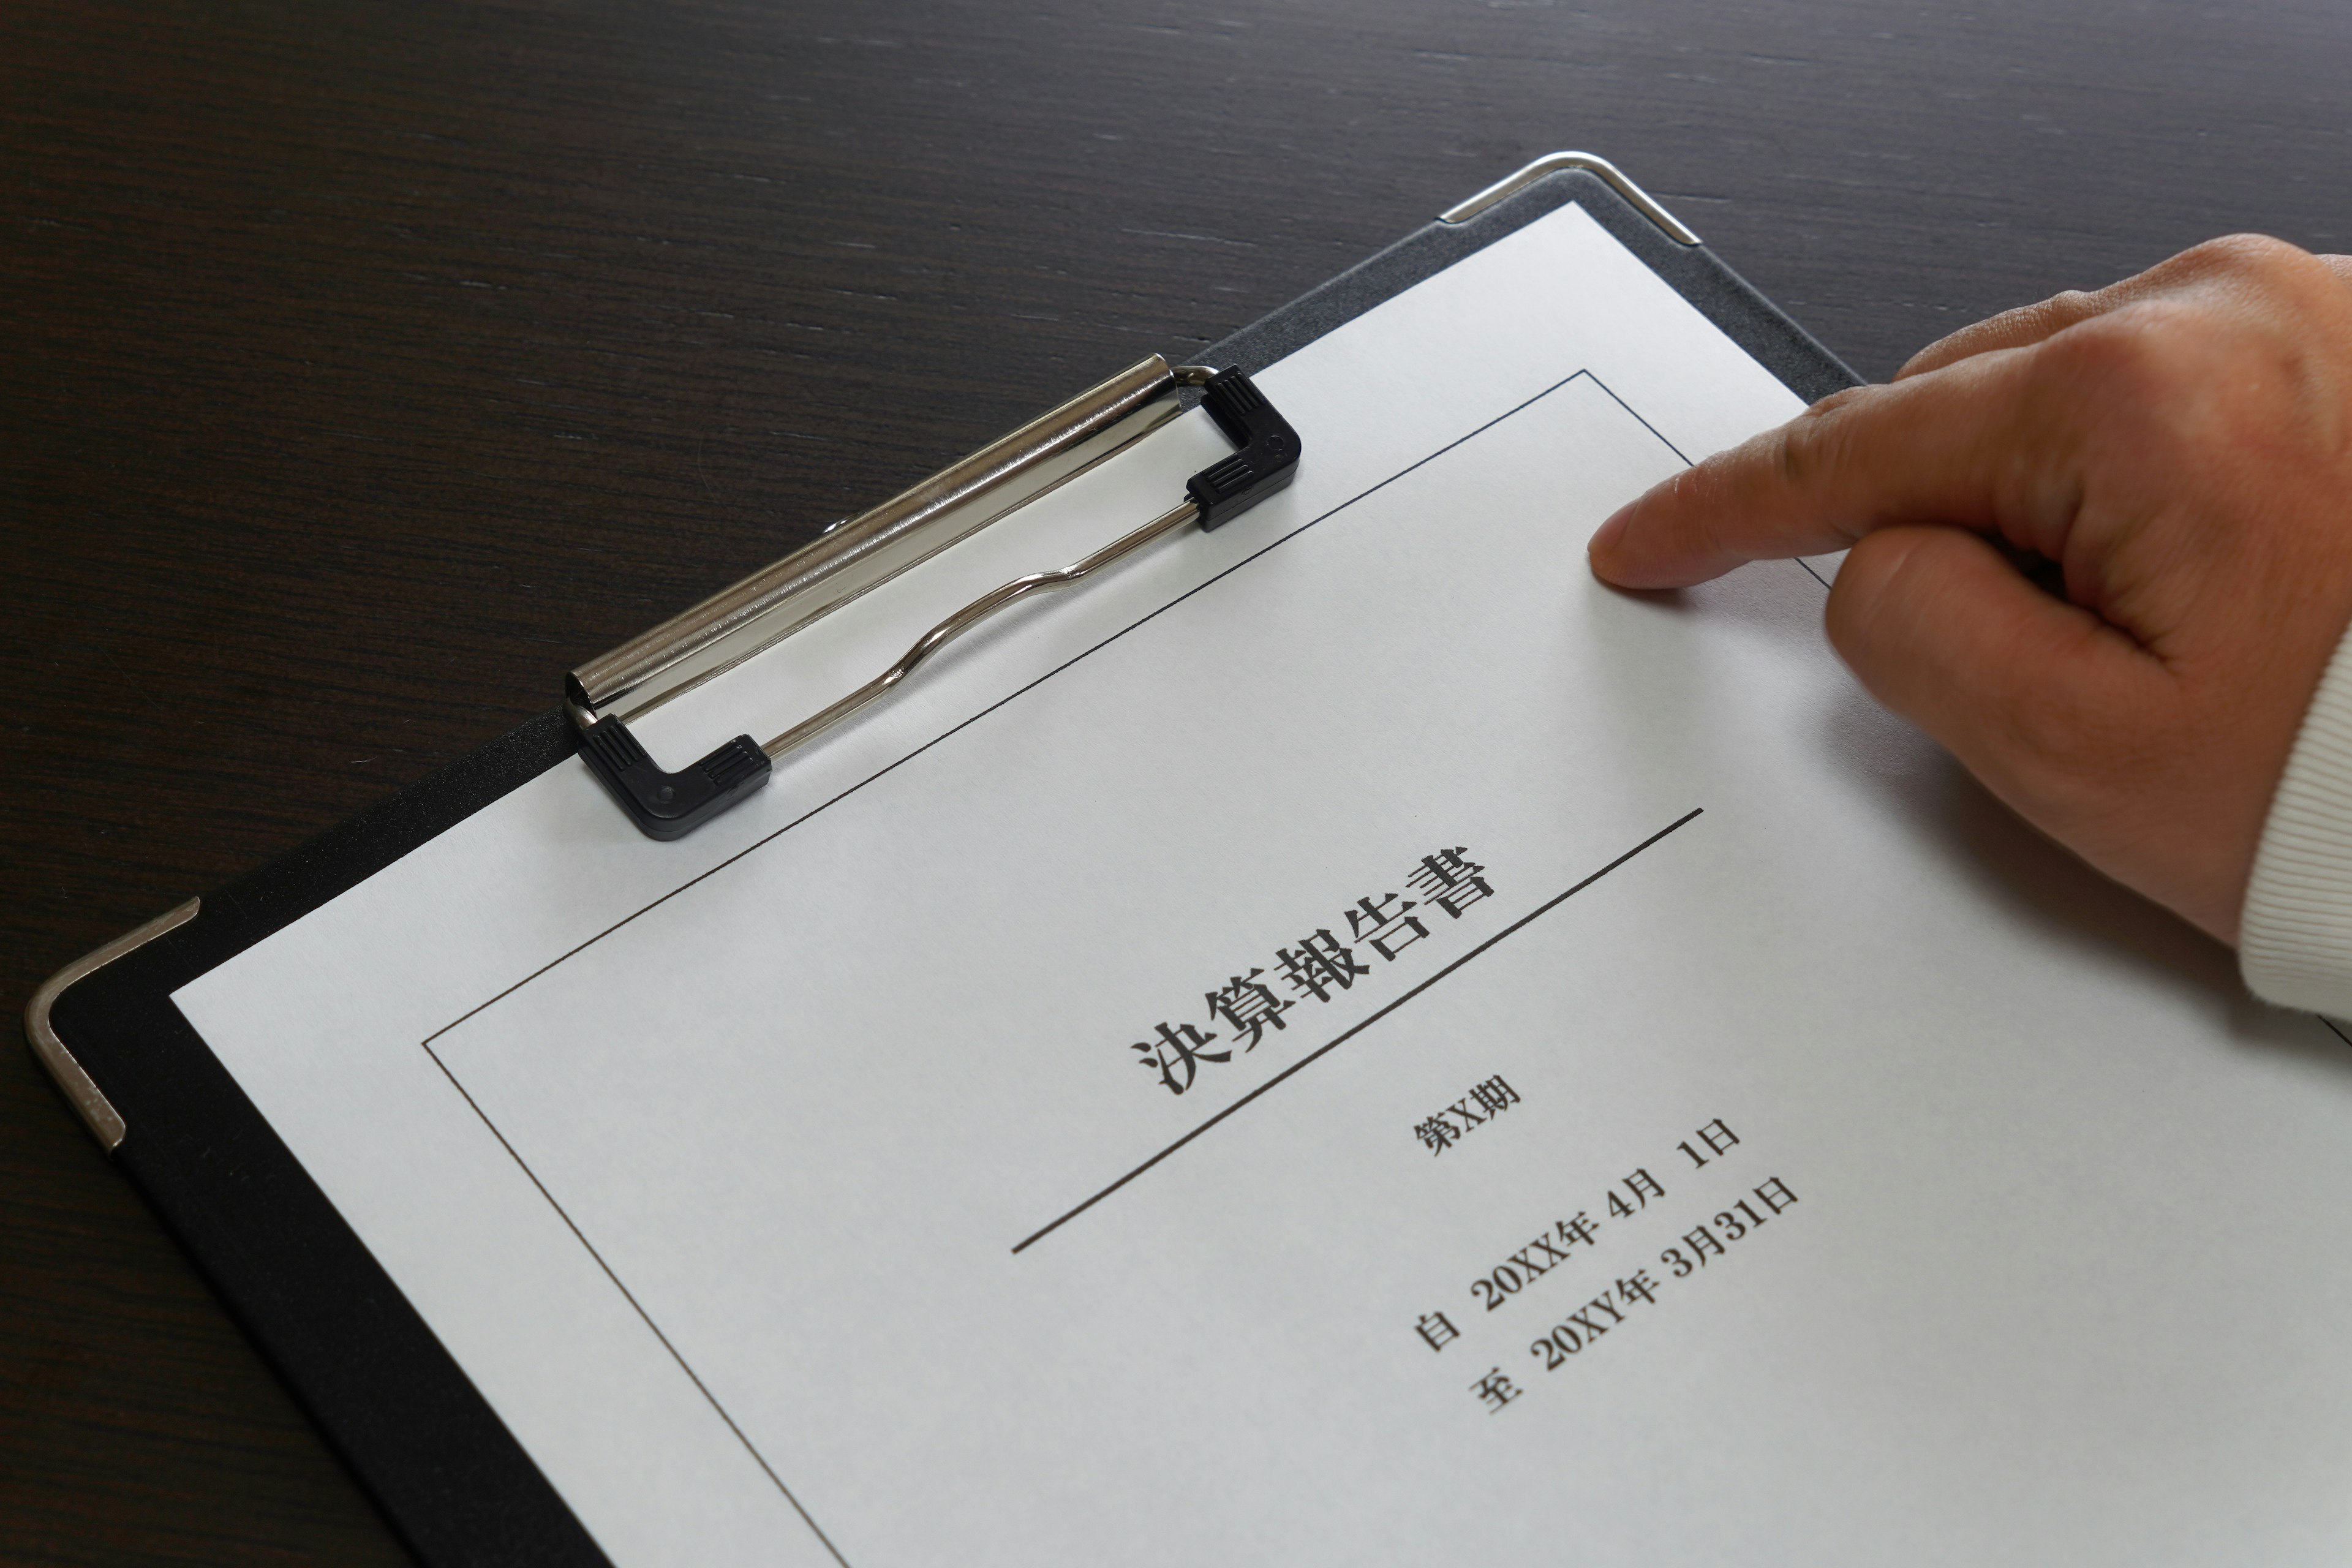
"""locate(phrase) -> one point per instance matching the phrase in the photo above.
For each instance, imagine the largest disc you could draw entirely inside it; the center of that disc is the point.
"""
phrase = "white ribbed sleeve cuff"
(2294, 937)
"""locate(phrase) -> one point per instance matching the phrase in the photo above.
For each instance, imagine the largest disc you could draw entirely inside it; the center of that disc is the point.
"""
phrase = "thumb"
(2021, 686)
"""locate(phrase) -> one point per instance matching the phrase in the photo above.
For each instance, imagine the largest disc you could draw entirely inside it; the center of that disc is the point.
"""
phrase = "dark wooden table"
(363, 367)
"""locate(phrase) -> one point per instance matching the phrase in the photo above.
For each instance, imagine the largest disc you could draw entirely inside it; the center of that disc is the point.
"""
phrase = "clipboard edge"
(1735, 307)
(73, 1080)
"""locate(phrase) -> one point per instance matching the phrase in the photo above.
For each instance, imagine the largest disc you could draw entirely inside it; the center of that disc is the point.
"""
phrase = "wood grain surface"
(363, 367)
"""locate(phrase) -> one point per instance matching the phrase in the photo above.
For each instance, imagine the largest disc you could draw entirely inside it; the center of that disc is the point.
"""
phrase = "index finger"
(1951, 446)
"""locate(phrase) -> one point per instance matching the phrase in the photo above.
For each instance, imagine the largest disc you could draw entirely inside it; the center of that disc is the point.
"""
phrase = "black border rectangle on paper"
(455, 1484)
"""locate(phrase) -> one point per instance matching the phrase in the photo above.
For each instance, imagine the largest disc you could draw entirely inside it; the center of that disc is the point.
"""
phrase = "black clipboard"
(452, 1481)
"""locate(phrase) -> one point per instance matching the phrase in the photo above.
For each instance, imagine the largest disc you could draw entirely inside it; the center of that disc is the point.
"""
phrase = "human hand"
(2181, 444)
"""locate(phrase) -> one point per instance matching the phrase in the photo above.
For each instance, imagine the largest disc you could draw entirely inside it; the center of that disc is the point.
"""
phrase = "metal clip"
(855, 556)
(1587, 162)
(73, 1080)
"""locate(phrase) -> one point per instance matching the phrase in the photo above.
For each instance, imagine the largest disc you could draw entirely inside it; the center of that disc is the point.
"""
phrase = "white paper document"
(1347, 1042)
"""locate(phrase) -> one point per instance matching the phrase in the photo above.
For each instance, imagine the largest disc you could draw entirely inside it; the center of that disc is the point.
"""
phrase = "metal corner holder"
(862, 552)
(1587, 162)
(97, 1113)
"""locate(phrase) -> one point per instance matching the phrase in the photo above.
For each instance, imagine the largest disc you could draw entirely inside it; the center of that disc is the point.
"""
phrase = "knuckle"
(1799, 453)
(2136, 356)
(1844, 397)
(2253, 255)
(2066, 308)
(2193, 369)
(2251, 276)
(1815, 441)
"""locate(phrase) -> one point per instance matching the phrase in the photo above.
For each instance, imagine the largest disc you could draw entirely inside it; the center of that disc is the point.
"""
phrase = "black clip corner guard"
(668, 805)
(1268, 461)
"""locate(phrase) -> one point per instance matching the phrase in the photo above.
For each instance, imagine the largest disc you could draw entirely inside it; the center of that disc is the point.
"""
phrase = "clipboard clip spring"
(668, 805)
